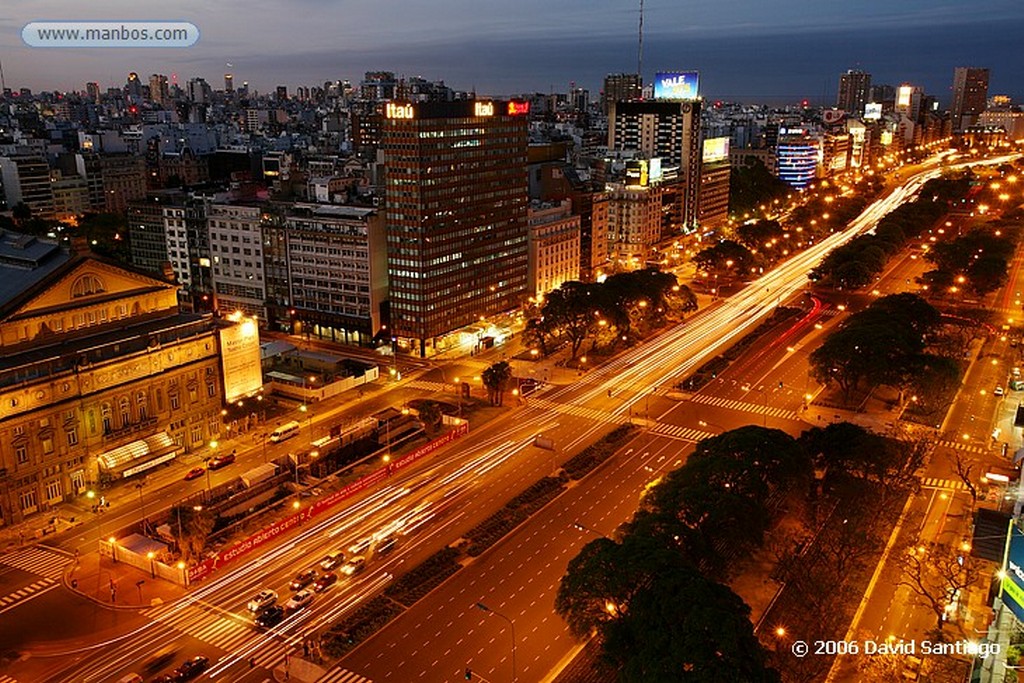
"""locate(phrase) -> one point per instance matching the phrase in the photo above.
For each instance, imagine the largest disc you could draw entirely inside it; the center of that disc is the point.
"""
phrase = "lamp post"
(484, 608)
(142, 504)
(152, 563)
(206, 462)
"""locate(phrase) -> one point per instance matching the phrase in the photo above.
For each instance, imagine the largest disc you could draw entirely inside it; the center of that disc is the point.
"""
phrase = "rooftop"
(24, 261)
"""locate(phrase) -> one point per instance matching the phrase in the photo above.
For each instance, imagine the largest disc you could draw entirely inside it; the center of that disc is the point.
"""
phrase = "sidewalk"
(117, 585)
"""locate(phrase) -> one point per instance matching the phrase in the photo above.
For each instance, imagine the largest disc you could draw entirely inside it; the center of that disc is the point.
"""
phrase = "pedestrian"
(305, 649)
(252, 662)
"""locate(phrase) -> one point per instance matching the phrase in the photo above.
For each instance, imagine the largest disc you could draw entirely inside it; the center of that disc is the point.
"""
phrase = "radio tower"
(640, 44)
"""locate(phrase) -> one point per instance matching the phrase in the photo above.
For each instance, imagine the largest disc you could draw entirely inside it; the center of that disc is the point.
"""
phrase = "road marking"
(34, 590)
(933, 483)
(745, 407)
(39, 561)
(960, 446)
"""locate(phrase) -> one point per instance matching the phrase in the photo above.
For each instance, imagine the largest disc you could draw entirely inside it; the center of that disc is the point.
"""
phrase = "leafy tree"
(430, 415)
(540, 333)
(756, 234)
(496, 379)
(752, 185)
(191, 527)
(572, 307)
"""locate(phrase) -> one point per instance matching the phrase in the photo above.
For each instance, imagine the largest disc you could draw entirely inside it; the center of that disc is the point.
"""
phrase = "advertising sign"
(715, 149)
(240, 359)
(1012, 592)
(675, 85)
(873, 111)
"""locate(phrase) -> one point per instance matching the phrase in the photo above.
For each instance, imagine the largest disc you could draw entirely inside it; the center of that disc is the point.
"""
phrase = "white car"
(262, 600)
(299, 600)
(354, 565)
(332, 560)
(999, 391)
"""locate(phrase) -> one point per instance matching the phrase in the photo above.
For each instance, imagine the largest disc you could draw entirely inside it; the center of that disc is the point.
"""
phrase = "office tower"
(229, 83)
(236, 252)
(908, 101)
(92, 91)
(796, 157)
(199, 91)
(457, 233)
(854, 89)
(25, 179)
(158, 91)
(133, 87)
(714, 184)
(970, 91)
(620, 88)
(282, 93)
(668, 129)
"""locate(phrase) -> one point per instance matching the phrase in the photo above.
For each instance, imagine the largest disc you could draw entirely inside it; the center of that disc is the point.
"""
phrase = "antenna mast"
(640, 44)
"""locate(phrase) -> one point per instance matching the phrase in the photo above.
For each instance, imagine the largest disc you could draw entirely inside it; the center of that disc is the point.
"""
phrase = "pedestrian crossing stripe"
(342, 676)
(934, 483)
(577, 411)
(25, 592)
(37, 561)
(681, 433)
(428, 386)
(959, 446)
(745, 407)
(7, 679)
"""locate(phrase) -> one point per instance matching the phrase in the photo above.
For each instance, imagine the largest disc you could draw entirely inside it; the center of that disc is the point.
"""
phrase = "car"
(262, 600)
(303, 579)
(272, 616)
(221, 461)
(195, 473)
(188, 669)
(386, 545)
(332, 560)
(299, 600)
(361, 546)
(326, 580)
(354, 565)
(999, 391)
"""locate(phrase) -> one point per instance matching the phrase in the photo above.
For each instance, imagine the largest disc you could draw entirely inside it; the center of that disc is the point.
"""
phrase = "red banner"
(247, 545)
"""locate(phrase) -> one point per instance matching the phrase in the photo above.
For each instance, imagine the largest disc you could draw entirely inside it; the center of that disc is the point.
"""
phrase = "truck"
(259, 474)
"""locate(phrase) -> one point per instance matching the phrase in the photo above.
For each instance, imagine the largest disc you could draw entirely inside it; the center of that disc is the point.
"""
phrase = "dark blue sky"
(750, 50)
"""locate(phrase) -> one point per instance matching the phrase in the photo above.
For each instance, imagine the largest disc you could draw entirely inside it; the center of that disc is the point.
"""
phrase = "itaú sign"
(399, 111)
(483, 109)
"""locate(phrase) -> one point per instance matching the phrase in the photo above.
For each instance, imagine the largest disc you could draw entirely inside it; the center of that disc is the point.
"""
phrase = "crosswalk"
(745, 407)
(223, 630)
(934, 483)
(429, 386)
(578, 411)
(41, 561)
(7, 679)
(23, 594)
(681, 433)
(960, 446)
(340, 675)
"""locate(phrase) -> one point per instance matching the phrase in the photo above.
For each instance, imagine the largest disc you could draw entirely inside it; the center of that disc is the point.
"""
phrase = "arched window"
(125, 409)
(107, 416)
(142, 401)
(87, 285)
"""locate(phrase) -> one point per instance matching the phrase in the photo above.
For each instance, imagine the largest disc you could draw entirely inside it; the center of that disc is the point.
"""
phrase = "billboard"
(873, 110)
(903, 94)
(675, 85)
(637, 172)
(1012, 592)
(654, 173)
(240, 359)
(715, 149)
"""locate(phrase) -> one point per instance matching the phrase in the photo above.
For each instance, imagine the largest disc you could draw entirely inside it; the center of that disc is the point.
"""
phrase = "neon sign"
(483, 109)
(399, 111)
(518, 108)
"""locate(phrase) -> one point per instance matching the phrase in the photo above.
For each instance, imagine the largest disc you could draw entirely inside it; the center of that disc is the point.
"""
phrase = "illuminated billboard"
(1012, 592)
(715, 149)
(483, 109)
(240, 359)
(873, 111)
(518, 108)
(903, 94)
(675, 85)
(637, 172)
(654, 170)
(396, 110)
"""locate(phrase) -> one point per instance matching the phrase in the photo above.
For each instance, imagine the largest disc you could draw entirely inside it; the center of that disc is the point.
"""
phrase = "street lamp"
(142, 504)
(152, 564)
(484, 608)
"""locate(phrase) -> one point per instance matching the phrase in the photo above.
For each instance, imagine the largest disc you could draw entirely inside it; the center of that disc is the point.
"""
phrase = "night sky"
(748, 50)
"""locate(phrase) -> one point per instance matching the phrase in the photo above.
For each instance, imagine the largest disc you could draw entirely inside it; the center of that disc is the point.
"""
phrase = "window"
(107, 414)
(21, 453)
(47, 445)
(54, 491)
(87, 285)
(197, 433)
(211, 389)
(125, 409)
(175, 402)
(28, 502)
(72, 435)
(142, 403)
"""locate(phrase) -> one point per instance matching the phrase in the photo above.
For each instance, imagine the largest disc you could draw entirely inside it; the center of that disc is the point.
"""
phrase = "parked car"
(272, 616)
(299, 600)
(188, 670)
(195, 473)
(262, 600)
(221, 461)
(332, 560)
(354, 565)
(303, 579)
(325, 581)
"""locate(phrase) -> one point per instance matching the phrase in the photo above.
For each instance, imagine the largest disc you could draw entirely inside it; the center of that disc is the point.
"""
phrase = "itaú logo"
(1015, 568)
(399, 111)
(483, 108)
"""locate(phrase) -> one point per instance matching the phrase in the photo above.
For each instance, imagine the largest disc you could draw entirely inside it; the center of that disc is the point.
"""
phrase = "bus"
(285, 431)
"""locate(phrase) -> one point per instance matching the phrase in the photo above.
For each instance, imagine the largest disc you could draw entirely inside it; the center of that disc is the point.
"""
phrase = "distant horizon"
(773, 65)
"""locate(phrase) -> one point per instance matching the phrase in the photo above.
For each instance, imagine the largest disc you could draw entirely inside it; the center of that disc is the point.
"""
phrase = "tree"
(496, 379)
(965, 473)
(540, 333)
(571, 308)
(430, 415)
(191, 526)
(940, 577)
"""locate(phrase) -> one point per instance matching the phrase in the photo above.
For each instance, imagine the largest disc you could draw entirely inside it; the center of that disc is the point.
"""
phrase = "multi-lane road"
(435, 503)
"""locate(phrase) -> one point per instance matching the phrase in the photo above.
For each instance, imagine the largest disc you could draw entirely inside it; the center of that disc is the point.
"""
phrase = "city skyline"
(492, 52)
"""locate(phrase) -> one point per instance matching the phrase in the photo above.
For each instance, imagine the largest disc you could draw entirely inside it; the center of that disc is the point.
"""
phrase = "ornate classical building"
(101, 376)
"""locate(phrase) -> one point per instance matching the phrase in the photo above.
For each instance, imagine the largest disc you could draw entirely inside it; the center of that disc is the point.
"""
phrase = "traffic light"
(469, 674)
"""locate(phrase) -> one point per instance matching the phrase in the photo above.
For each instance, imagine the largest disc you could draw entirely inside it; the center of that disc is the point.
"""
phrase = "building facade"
(456, 193)
(554, 246)
(854, 92)
(236, 254)
(970, 95)
(101, 376)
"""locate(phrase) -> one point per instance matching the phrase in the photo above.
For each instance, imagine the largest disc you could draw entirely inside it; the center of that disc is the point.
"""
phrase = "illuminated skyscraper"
(620, 88)
(854, 88)
(456, 215)
(970, 91)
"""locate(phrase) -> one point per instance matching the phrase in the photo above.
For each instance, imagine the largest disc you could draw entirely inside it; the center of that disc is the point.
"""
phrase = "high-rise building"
(667, 129)
(554, 246)
(282, 93)
(908, 101)
(854, 91)
(158, 91)
(457, 234)
(229, 83)
(92, 91)
(796, 157)
(620, 88)
(714, 184)
(133, 87)
(970, 92)
(199, 91)
(236, 250)
(25, 178)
